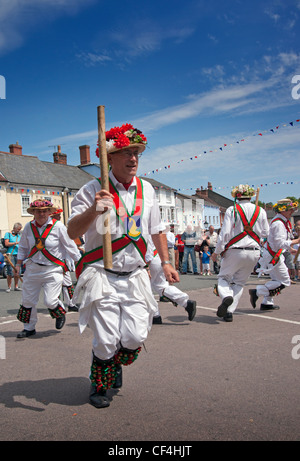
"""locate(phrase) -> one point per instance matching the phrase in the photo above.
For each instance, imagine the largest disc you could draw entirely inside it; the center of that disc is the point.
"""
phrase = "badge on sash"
(39, 243)
(133, 227)
(248, 228)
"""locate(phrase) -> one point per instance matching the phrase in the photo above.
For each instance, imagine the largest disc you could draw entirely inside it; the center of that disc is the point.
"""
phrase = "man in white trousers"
(245, 224)
(67, 284)
(45, 245)
(160, 285)
(280, 239)
(117, 304)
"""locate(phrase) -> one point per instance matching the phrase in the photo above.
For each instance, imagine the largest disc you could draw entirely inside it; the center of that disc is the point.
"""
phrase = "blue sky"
(196, 77)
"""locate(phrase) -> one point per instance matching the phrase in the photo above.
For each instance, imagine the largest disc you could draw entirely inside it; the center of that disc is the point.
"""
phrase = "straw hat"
(285, 204)
(243, 191)
(124, 137)
(41, 205)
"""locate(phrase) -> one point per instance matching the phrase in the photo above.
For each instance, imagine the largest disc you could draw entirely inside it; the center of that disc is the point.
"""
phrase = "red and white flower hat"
(124, 137)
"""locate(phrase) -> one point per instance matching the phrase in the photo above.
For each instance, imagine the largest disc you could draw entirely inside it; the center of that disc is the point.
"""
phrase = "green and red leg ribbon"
(24, 314)
(103, 373)
(57, 312)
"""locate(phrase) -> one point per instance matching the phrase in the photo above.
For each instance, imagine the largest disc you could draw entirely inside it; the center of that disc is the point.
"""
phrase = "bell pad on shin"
(24, 314)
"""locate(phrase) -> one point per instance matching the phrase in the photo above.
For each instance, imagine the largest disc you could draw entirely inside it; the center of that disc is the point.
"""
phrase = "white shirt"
(58, 243)
(170, 239)
(230, 228)
(129, 258)
(212, 238)
(279, 237)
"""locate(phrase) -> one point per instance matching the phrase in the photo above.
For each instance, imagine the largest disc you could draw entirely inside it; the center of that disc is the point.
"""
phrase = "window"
(169, 195)
(25, 204)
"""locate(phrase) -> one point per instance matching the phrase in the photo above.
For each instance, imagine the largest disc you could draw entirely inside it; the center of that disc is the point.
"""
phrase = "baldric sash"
(131, 224)
(276, 256)
(248, 227)
(40, 241)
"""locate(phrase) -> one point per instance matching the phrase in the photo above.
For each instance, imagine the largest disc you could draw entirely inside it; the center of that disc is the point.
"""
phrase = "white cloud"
(18, 16)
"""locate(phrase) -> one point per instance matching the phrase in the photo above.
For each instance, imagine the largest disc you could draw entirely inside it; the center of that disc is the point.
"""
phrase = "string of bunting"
(28, 190)
(278, 183)
(221, 148)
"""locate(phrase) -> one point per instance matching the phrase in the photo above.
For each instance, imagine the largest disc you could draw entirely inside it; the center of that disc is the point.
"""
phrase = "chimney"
(85, 157)
(202, 193)
(15, 149)
(59, 157)
(209, 186)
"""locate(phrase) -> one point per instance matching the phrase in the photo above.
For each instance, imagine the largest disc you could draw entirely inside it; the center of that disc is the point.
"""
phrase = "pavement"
(205, 380)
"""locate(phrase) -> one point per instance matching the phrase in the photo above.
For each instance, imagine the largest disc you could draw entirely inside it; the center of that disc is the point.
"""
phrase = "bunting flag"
(225, 145)
(255, 186)
(28, 190)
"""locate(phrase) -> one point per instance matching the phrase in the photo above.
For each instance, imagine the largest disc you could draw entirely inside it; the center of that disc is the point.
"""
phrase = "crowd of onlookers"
(190, 246)
(187, 247)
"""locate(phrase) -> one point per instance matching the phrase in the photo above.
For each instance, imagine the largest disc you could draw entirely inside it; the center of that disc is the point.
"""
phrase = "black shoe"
(98, 399)
(119, 381)
(26, 333)
(59, 322)
(73, 308)
(196, 273)
(253, 298)
(228, 317)
(268, 307)
(191, 309)
(222, 309)
(157, 320)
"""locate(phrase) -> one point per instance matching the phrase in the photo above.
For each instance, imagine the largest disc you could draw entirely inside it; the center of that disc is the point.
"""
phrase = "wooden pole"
(8, 260)
(257, 195)
(107, 251)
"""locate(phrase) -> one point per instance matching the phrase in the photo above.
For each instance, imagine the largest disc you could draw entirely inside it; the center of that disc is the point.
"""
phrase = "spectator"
(205, 261)
(189, 239)
(180, 248)
(11, 240)
(213, 238)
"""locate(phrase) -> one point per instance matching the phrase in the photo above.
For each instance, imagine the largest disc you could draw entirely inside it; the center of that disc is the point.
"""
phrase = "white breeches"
(160, 285)
(49, 278)
(278, 273)
(118, 309)
(236, 267)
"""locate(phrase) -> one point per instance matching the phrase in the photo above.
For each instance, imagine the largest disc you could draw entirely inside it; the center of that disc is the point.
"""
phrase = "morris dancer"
(239, 245)
(160, 285)
(117, 304)
(272, 262)
(67, 285)
(46, 244)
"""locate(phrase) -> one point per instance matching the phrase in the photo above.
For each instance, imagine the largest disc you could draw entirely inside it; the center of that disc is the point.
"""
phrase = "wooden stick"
(257, 195)
(12, 265)
(296, 255)
(107, 251)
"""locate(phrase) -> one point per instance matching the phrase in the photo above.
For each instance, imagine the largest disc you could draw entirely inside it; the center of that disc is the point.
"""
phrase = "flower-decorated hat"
(124, 137)
(243, 191)
(57, 211)
(285, 204)
(41, 205)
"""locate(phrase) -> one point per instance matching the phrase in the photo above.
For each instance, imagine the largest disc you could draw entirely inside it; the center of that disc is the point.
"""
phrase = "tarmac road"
(205, 380)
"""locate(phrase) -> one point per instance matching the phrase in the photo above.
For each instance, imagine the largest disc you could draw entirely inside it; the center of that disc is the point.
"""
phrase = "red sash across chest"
(248, 227)
(131, 225)
(40, 242)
